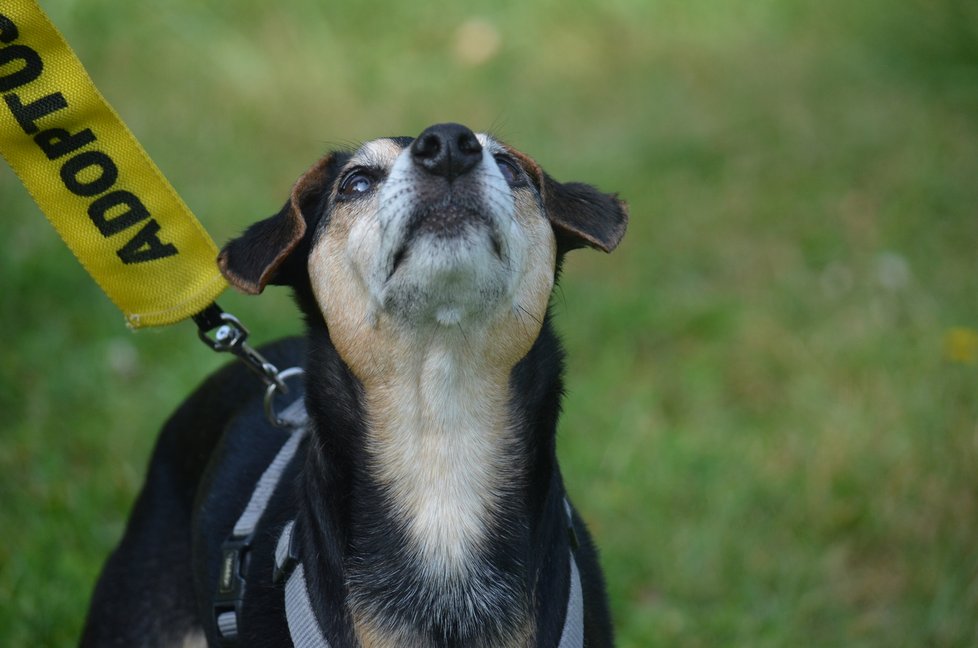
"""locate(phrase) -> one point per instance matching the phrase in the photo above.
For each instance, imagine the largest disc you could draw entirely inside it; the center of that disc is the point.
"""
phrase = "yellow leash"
(94, 182)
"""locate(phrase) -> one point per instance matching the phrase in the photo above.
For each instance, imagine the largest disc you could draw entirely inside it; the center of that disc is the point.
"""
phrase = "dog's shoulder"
(221, 431)
(191, 436)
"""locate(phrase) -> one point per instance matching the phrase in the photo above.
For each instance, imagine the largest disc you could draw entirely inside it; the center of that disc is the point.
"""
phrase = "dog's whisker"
(529, 314)
(461, 330)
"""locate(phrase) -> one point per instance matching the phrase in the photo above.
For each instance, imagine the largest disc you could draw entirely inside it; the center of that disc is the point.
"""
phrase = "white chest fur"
(441, 440)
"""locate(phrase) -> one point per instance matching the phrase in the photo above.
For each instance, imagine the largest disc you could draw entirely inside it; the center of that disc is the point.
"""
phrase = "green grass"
(772, 418)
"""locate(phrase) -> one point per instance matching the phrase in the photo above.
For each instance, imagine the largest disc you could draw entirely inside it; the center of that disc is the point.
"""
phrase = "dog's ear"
(584, 216)
(268, 251)
(580, 214)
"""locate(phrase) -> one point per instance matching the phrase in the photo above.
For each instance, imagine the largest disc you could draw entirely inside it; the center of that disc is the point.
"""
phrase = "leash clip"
(222, 332)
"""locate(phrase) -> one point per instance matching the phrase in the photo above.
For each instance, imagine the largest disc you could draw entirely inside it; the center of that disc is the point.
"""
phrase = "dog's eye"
(510, 171)
(356, 184)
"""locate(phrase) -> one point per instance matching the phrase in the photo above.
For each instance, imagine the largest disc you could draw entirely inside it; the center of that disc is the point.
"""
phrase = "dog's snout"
(447, 150)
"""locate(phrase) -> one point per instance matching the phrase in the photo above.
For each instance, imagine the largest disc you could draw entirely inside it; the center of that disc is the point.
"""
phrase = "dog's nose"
(447, 150)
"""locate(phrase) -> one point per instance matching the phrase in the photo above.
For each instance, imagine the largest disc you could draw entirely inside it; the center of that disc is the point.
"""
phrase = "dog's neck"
(442, 492)
(443, 447)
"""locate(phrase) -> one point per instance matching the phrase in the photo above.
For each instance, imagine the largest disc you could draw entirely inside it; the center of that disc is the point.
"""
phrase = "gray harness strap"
(573, 634)
(295, 416)
(303, 625)
(231, 586)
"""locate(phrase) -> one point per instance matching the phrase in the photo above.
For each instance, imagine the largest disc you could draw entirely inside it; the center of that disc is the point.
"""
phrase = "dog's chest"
(443, 451)
(442, 447)
(370, 635)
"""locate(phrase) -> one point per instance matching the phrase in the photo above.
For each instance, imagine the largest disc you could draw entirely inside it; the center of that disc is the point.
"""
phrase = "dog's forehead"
(378, 153)
(383, 151)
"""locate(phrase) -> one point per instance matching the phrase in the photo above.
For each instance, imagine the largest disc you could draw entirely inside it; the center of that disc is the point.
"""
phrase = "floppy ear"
(584, 216)
(260, 256)
(580, 214)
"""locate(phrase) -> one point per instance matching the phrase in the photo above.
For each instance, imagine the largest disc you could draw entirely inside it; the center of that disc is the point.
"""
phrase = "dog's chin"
(448, 280)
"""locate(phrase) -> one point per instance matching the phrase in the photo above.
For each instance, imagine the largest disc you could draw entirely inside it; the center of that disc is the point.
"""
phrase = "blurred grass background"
(772, 422)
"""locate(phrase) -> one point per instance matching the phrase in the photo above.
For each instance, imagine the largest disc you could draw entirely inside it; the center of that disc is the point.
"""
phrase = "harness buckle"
(286, 554)
(231, 587)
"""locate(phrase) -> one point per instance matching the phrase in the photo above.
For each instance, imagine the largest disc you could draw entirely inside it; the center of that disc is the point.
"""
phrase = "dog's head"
(449, 235)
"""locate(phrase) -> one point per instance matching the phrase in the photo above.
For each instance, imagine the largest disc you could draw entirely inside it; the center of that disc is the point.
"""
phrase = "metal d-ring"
(279, 386)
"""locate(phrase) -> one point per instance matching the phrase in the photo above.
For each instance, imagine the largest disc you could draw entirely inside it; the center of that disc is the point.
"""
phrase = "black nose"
(447, 150)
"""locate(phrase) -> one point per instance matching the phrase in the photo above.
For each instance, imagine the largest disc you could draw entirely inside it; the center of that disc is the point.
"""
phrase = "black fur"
(159, 583)
(583, 216)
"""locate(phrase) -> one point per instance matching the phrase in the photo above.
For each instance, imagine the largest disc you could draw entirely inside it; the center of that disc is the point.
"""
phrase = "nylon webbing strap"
(301, 618)
(573, 634)
(295, 415)
(94, 182)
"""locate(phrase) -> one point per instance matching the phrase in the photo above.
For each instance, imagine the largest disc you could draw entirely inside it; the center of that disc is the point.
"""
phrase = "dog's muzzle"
(446, 224)
(448, 180)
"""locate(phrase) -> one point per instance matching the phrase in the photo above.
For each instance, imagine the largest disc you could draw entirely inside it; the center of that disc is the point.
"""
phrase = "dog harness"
(303, 626)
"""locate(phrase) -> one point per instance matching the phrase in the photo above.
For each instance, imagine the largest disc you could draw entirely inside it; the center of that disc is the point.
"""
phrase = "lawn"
(772, 414)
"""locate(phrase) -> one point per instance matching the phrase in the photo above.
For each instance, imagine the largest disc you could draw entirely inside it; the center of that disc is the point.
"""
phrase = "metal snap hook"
(279, 387)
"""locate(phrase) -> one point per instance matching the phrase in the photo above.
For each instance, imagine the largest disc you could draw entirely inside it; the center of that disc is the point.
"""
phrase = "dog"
(424, 506)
